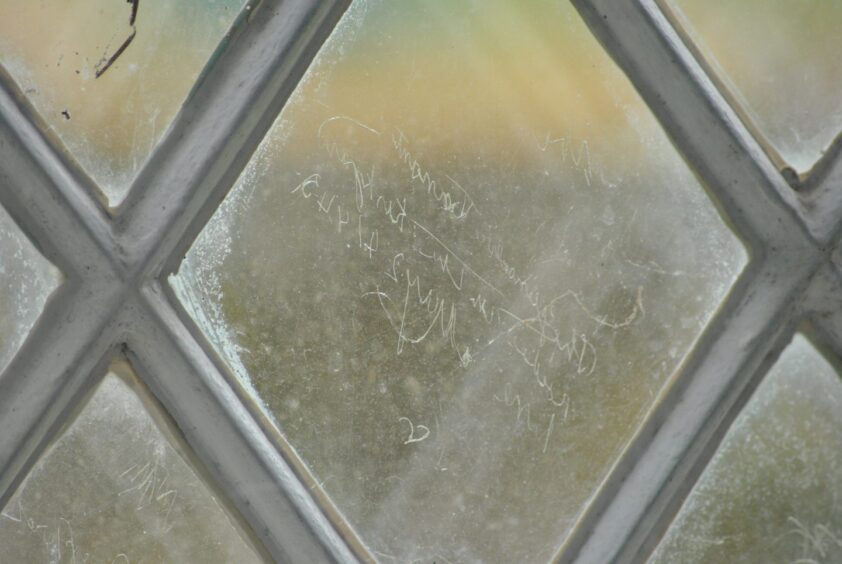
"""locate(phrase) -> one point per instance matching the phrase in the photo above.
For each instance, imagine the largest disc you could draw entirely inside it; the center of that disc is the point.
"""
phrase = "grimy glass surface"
(110, 101)
(773, 491)
(781, 60)
(26, 281)
(114, 489)
(458, 272)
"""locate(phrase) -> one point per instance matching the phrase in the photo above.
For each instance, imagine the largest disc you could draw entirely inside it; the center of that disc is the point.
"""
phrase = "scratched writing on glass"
(439, 271)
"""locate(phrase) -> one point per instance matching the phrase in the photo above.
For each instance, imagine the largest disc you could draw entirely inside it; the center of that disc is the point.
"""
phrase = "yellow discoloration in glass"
(53, 49)
(458, 272)
(780, 58)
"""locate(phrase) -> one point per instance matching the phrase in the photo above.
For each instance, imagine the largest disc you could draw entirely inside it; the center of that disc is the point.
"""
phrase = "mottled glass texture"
(53, 50)
(114, 489)
(773, 491)
(457, 273)
(780, 58)
(26, 281)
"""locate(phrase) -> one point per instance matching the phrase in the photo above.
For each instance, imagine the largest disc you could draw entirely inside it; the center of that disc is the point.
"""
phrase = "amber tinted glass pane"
(54, 49)
(114, 489)
(772, 492)
(457, 273)
(26, 281)
(781, 59)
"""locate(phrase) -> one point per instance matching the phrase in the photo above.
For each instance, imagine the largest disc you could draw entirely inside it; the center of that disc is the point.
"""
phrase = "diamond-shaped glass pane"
(458, 272)
(772, 491)
(26, 281)
(117, 487)
(780, 59)
(108, 77)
